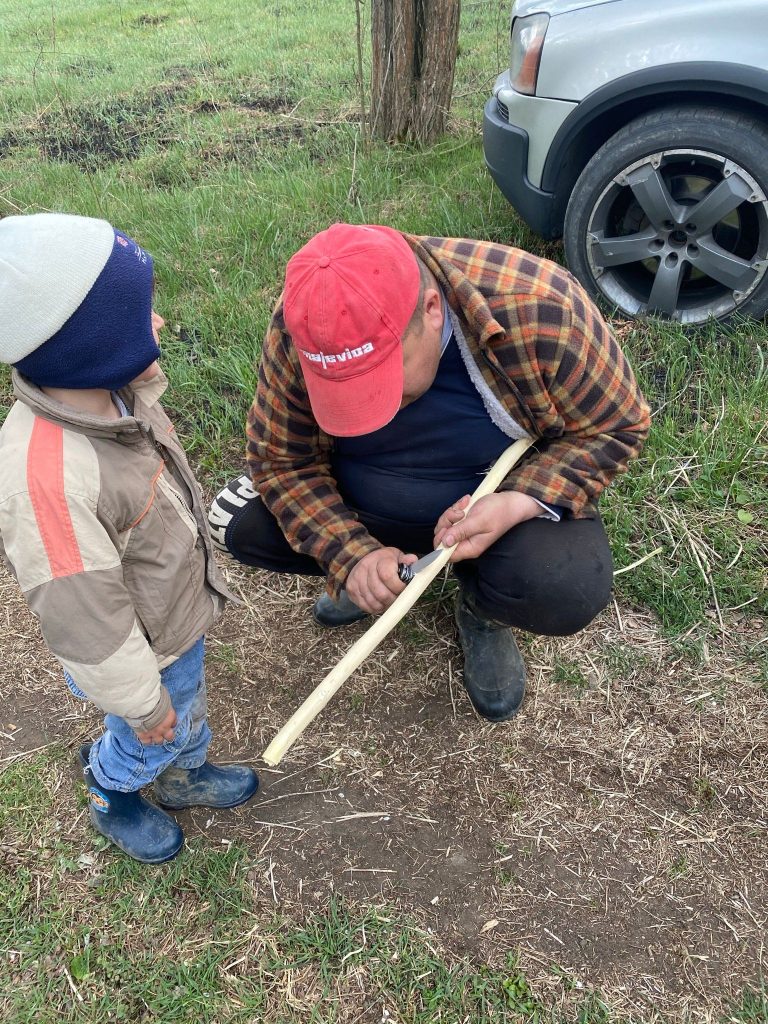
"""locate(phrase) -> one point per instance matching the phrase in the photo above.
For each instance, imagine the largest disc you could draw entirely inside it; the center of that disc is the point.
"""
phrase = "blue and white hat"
(75, 302)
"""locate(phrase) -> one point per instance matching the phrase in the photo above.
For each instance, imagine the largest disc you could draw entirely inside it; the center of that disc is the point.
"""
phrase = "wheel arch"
(720, 85)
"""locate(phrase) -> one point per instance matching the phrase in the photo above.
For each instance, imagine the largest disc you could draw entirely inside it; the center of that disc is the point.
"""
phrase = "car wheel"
(670, 217)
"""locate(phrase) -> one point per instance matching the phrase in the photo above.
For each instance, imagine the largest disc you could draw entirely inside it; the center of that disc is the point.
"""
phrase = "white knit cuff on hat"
(48, 264)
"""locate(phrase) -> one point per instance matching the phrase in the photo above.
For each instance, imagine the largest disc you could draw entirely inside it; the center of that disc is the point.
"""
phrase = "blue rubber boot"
(210, 785)
(129, 821)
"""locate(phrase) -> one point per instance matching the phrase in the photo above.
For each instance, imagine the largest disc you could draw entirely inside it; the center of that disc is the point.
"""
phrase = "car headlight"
(527, 41)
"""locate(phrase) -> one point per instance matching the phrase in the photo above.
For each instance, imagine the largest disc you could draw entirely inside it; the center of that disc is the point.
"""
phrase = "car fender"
(610, 107)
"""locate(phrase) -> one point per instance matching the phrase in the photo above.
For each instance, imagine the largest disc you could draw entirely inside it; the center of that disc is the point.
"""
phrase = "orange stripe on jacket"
(45, 481)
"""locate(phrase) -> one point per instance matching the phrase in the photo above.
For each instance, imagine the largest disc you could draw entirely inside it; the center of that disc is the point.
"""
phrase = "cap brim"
(359, 404)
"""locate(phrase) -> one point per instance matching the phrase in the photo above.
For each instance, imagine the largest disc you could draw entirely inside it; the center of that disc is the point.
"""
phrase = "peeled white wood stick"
(368, 642)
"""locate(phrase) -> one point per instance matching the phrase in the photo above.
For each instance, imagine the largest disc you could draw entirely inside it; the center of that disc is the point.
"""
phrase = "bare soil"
(96, 135)
(616, 828)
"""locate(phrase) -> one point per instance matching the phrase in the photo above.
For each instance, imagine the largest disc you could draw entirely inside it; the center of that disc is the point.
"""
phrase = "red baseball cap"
(349, 295)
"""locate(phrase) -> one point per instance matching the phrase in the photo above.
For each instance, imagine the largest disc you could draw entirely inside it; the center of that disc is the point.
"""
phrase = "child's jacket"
(102, 523)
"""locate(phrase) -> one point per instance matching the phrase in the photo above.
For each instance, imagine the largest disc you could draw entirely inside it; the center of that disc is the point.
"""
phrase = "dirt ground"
(616, 828)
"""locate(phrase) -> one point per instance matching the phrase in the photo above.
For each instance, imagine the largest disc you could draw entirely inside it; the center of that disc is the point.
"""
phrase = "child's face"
(154, 368)
(157, 323)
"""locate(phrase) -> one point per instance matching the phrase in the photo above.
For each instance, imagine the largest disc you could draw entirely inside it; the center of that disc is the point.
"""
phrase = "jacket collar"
(481, 330)
(144, 394)
(465, 299)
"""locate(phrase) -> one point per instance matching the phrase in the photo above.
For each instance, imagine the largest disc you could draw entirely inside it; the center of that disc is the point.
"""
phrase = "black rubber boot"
(210, 785)
(330, 613)
(494, 671)
(129, 821)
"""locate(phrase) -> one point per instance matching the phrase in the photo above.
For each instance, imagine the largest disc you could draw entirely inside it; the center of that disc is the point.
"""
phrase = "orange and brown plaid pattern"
(543, 350)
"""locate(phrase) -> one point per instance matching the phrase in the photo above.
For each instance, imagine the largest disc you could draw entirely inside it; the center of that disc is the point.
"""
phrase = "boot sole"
(495, 721)
(213, 807)
(335, 625)
(145, 860)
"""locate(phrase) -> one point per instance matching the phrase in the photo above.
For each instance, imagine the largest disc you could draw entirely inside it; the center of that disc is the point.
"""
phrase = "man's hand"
(373, 583)
(160, 733)
(488, 519)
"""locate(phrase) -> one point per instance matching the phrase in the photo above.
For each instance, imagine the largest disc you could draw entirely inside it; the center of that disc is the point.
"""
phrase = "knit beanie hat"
(75, 302)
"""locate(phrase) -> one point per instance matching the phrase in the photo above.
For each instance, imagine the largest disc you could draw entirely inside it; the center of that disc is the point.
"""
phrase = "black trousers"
(547, 578)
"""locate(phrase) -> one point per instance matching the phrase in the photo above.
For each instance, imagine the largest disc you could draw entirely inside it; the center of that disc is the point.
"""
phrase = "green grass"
(94, 936)
(26, 796)
(89, 935)
(222, 136)
(702, 480)
(570, 677)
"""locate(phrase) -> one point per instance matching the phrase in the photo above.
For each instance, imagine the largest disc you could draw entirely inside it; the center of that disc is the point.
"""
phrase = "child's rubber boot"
(133, 824)
(210, 785)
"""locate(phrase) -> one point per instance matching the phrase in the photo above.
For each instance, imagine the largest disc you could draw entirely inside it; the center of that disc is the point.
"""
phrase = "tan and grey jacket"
(102, 523)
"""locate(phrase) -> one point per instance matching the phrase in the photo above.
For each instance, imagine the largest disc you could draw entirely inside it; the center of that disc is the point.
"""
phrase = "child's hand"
(161, 732)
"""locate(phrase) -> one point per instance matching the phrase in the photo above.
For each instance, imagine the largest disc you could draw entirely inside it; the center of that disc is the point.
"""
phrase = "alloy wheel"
(681, 233)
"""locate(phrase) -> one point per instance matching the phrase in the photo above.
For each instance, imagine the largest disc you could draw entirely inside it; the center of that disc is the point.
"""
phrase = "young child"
(102, 524)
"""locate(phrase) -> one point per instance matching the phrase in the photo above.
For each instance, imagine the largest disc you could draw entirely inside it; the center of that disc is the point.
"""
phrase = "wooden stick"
(368, 642)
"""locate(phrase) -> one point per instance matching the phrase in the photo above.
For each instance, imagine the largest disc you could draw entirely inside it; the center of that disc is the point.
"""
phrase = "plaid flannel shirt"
(542, 348)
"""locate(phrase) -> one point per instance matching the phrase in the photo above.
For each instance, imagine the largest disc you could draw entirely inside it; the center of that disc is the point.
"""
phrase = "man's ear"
(433, 308)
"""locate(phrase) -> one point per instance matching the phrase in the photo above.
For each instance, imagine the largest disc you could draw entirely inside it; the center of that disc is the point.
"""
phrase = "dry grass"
(616, 829)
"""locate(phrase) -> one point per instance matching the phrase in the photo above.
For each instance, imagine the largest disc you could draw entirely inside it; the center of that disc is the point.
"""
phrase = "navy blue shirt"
(434, 451)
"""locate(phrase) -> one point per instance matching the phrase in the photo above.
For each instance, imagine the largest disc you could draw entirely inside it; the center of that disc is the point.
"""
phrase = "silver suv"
(638, 132)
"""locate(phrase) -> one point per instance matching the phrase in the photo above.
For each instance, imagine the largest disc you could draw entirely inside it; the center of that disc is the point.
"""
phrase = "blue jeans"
(120, 761)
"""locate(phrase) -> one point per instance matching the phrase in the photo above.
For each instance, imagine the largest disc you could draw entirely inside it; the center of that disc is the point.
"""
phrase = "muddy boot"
(494, 672)
(327, 612)
(133, 824)
(210, 785)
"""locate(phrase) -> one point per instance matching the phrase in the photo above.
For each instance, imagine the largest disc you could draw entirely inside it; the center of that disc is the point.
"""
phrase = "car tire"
(670, 217)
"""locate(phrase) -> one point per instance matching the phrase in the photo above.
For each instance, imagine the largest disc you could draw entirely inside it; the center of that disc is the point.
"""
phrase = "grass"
(222, 136)
(703, 477)
(86, 934)
(222, 163)
(570, 676)
(87, 938)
